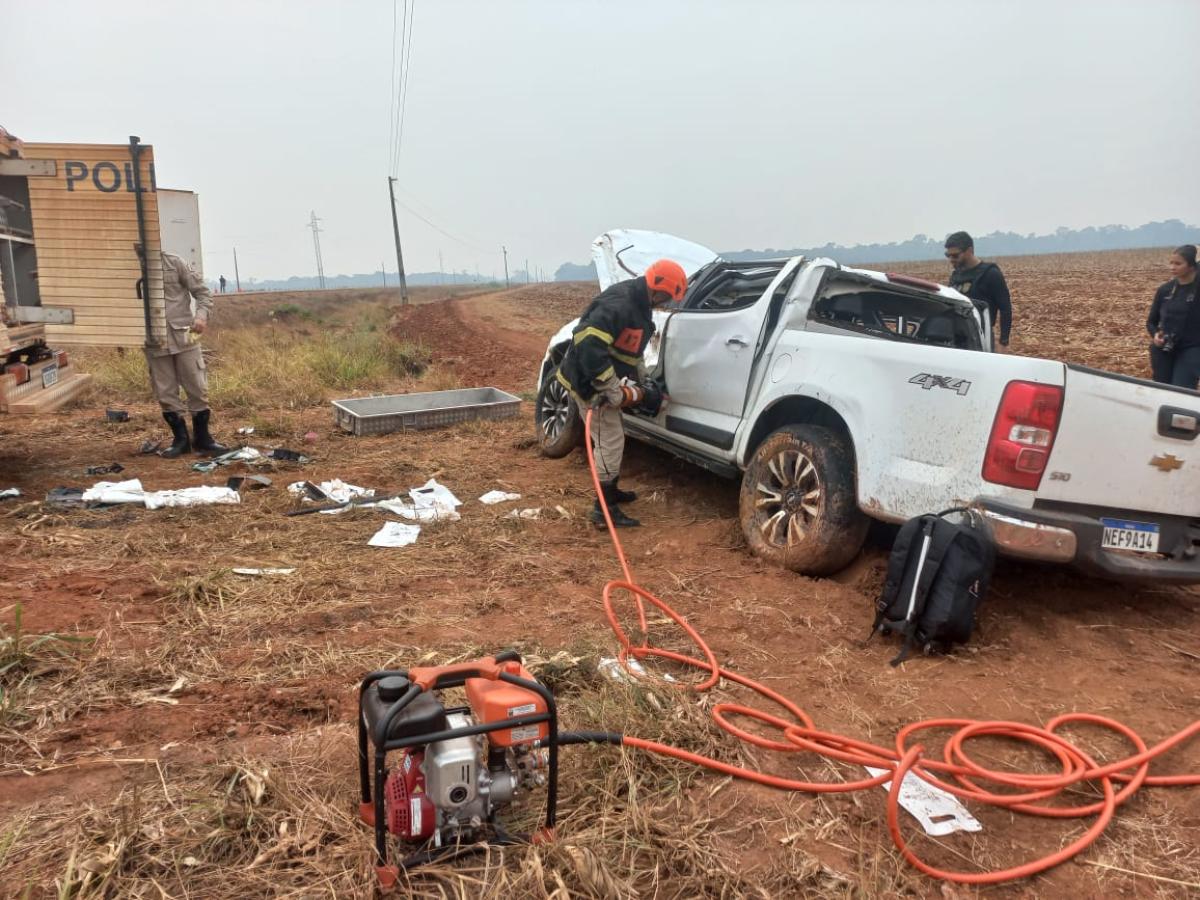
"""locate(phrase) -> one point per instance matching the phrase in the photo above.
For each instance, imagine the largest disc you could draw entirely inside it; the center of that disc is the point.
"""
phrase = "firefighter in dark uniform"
(602, 371)
(1174, 324)
(982, 281)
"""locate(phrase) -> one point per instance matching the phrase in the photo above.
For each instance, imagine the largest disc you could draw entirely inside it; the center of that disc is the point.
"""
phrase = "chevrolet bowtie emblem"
(1165, 462)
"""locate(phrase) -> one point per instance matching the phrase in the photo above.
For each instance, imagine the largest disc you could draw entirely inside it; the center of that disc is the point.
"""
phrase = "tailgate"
(1125, 443)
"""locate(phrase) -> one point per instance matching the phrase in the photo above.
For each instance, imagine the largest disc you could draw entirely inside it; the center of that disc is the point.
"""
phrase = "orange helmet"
(667, 276)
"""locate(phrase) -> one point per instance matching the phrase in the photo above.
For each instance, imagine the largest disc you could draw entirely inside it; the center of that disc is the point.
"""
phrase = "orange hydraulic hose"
(960, 773)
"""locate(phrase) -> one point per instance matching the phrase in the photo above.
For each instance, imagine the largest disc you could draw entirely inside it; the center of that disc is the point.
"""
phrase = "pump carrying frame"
(371, 805)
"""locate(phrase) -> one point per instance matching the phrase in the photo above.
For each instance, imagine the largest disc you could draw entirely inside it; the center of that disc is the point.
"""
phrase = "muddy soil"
(262, 659)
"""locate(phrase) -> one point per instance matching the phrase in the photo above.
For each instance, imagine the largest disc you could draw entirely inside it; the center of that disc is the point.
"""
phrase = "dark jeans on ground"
(1180, 367)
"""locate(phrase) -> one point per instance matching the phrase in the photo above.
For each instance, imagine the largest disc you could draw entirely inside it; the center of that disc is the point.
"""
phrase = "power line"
(437, 227)
(392, 89)
(404, 80)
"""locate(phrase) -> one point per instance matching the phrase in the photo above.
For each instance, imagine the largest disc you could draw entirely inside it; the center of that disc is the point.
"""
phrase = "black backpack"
(937, 574)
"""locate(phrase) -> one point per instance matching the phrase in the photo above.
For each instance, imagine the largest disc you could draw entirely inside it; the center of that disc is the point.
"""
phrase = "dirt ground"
(201, 742)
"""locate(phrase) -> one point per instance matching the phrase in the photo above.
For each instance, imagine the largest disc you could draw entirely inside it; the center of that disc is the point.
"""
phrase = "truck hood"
(626, 253)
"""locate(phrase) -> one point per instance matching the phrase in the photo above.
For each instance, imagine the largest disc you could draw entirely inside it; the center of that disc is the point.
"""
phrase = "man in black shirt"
(982, 281)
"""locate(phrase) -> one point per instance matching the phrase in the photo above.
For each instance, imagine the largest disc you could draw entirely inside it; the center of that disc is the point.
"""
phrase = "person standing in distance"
(602, 368)
(179, 363)
(1174, 324)
(982, 281)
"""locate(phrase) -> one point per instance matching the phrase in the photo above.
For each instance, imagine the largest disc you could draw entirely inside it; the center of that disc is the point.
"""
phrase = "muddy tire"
(559, 425)
(798, 503)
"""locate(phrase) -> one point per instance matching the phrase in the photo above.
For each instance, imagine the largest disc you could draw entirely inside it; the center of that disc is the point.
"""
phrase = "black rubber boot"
(181, 444)
(619, 519)
(204, 442)
(621, 496)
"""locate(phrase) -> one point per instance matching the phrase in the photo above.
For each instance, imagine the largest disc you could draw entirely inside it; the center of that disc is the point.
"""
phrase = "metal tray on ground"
(432, 409)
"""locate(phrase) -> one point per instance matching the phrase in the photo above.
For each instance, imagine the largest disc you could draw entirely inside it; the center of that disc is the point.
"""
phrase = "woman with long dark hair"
(1174, 324)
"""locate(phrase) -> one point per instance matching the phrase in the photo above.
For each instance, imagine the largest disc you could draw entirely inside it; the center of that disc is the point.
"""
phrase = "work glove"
(610, 391)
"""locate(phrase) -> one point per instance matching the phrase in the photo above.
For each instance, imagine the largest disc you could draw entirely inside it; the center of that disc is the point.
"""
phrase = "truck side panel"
(919, 415)
(85, 228)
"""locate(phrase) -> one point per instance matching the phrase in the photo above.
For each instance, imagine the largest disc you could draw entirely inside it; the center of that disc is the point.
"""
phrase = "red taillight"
(19, 371)
(60, 357)
(1023, 434)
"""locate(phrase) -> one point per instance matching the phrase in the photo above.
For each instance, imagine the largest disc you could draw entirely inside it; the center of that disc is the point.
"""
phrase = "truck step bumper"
(1075, 538)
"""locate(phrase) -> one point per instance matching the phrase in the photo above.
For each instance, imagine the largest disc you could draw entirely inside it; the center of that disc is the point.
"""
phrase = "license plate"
(1120, 534)
(50, 375)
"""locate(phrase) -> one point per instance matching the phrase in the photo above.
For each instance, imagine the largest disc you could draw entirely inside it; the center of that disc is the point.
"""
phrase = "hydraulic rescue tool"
(455, 767)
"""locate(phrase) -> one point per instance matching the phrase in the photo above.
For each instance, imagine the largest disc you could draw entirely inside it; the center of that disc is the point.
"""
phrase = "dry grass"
(274, 367)
(26, 658)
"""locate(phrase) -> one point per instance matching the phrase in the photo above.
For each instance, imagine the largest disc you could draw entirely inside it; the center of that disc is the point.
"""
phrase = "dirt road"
(197, 675)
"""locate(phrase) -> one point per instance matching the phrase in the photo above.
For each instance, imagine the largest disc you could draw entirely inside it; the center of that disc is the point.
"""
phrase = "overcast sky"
(541, 124)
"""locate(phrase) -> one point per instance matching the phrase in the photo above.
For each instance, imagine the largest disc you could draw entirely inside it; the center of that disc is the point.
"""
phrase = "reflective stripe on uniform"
(562, 379)
(624, 357)
(592, 331)
(608, 373)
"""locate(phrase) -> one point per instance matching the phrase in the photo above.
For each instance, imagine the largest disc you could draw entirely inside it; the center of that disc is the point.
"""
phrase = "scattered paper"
(431, 495)
(262, 572)
(533, 513)
(249, 429)
(10, 492)
(493, 497)
(395, 534)
(939, 812)
(193, 496)
(398, 507)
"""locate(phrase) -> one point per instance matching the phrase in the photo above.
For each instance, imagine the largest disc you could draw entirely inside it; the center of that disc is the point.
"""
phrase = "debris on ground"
(493, 497)
(116, 415)
(335, 490)
(206, 495)
(9, 493)
(248, 429)
(535, 513)
(110, 469)
(106, 493)
(250, 482)
(263, 572)
(432, 495)
(284, 455)
(395, 534)
(241, 454)
(310, 437)
(939, 812)
(150, 446)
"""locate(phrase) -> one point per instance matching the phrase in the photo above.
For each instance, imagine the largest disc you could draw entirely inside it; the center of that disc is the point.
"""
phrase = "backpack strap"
(934, 543)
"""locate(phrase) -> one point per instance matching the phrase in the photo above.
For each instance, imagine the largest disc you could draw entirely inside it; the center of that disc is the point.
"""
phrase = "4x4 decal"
(929, 382)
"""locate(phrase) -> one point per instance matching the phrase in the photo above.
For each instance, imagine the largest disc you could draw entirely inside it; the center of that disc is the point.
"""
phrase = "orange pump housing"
(495, 701)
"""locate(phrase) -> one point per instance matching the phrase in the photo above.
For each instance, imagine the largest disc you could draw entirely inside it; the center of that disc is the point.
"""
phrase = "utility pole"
(396, 232)
(383, 272)
(441, 269)
(505, 249)
(527, 271)
(236, 277)
(316, 230)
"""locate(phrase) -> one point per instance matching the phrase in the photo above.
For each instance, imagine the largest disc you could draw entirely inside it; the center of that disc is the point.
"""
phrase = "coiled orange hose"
(960, 773)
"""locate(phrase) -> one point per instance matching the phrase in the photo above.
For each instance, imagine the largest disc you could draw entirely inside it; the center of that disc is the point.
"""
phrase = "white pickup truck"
(840, 395)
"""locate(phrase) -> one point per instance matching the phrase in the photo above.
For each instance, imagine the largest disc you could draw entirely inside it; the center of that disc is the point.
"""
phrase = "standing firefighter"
(180, 363)
(602, 370)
